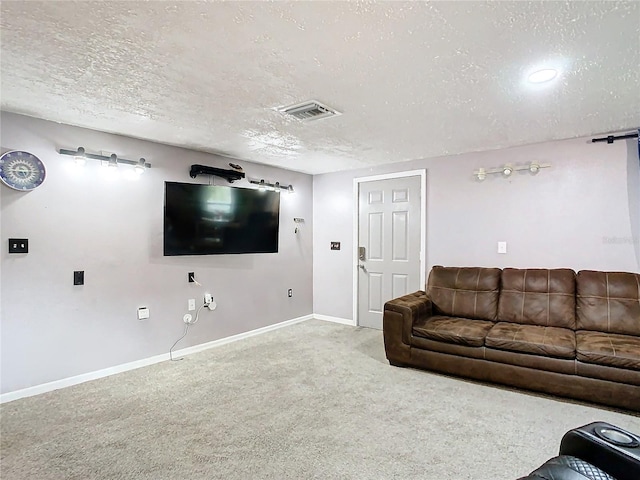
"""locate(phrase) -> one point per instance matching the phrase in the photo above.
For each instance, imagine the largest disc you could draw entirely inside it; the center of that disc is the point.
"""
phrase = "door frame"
(422, 173)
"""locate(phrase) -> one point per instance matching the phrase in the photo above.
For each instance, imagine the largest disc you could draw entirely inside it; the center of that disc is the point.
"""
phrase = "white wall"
(581, 213)
(112, 229)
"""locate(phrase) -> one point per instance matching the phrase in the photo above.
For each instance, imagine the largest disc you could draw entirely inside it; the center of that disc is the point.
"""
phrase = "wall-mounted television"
(210, 220)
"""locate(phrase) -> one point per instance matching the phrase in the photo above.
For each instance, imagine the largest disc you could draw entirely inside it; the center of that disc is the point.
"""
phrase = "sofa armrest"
(399, 316)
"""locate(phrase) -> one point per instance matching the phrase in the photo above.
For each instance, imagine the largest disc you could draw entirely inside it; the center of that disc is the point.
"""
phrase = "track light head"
(140, 166)
(80, 157)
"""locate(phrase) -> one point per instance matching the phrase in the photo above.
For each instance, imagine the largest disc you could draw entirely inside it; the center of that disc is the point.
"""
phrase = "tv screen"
(209, 220)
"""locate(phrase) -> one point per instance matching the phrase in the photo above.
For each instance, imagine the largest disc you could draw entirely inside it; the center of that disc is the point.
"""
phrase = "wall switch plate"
(18, 245)
(502, 247)
(335, 245)
(78, 277)
(143, 312)
(192, 304)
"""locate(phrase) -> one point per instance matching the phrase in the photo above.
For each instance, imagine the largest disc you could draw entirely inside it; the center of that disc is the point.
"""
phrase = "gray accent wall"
(112, 229)
(576, 214)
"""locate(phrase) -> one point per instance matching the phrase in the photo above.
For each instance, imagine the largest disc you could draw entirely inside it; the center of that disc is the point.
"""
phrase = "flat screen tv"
(210, 220)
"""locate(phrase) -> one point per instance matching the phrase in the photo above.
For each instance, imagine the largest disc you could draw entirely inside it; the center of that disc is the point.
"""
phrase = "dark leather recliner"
(566, 467)
(597, 451)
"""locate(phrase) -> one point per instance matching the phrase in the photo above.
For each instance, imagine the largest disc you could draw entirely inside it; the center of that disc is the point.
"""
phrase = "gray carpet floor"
(315, 400)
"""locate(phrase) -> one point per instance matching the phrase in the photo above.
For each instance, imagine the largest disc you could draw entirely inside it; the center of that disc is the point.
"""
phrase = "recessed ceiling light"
(544, 75)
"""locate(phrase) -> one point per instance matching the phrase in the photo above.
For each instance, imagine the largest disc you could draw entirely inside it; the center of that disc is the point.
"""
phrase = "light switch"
(78, 277)
(502, 247)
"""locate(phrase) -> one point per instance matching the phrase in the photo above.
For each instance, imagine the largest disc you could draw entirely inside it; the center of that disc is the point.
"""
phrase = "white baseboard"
(235, 338)
(85, 377)
(327, 318)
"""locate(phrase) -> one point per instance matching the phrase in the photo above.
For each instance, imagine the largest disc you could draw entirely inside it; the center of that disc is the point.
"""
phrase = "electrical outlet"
(208, 298)
(502, 247)
(143, 312)
(290, 293)
(78, 277)
(192, 277)
(18, 245)
(192, 304)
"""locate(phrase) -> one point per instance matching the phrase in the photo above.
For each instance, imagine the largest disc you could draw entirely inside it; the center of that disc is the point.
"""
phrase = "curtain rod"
(613, 138)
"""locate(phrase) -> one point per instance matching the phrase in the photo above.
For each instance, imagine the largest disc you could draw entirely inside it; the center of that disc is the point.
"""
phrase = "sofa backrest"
(538, 297)
(608, 302)
(469, 292)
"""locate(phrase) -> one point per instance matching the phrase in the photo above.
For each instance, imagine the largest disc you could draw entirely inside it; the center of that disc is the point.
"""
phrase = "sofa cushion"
(461, 331)
(610, 374)
(534, 362)
(465, 292)
(538, 297)
(608, 302)
(609, 349)
(535, 339)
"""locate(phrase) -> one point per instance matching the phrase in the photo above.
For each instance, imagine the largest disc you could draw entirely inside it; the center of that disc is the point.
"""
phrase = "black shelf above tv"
(229, 175)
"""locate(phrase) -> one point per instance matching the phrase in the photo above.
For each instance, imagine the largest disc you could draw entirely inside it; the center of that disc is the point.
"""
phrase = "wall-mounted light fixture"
(80, 156)
(276, 187)
(508, 169)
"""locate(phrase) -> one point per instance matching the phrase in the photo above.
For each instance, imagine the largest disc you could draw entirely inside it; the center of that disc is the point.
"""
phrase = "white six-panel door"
(389, 243)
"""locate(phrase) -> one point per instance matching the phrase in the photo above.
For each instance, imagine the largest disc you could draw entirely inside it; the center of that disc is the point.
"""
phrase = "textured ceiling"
(413, 79)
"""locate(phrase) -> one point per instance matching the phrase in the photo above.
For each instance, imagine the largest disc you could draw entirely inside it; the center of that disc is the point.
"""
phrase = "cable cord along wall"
(188, 320)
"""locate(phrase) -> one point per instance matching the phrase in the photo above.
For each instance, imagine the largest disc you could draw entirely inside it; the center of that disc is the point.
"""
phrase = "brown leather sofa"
(547, 330)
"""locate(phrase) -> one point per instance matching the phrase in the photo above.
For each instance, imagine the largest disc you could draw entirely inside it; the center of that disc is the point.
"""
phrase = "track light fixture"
(80, 157)
(507, 170)
(276, 187)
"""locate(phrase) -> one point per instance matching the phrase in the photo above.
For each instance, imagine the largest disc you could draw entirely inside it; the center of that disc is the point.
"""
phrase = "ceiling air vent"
(311, 110)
